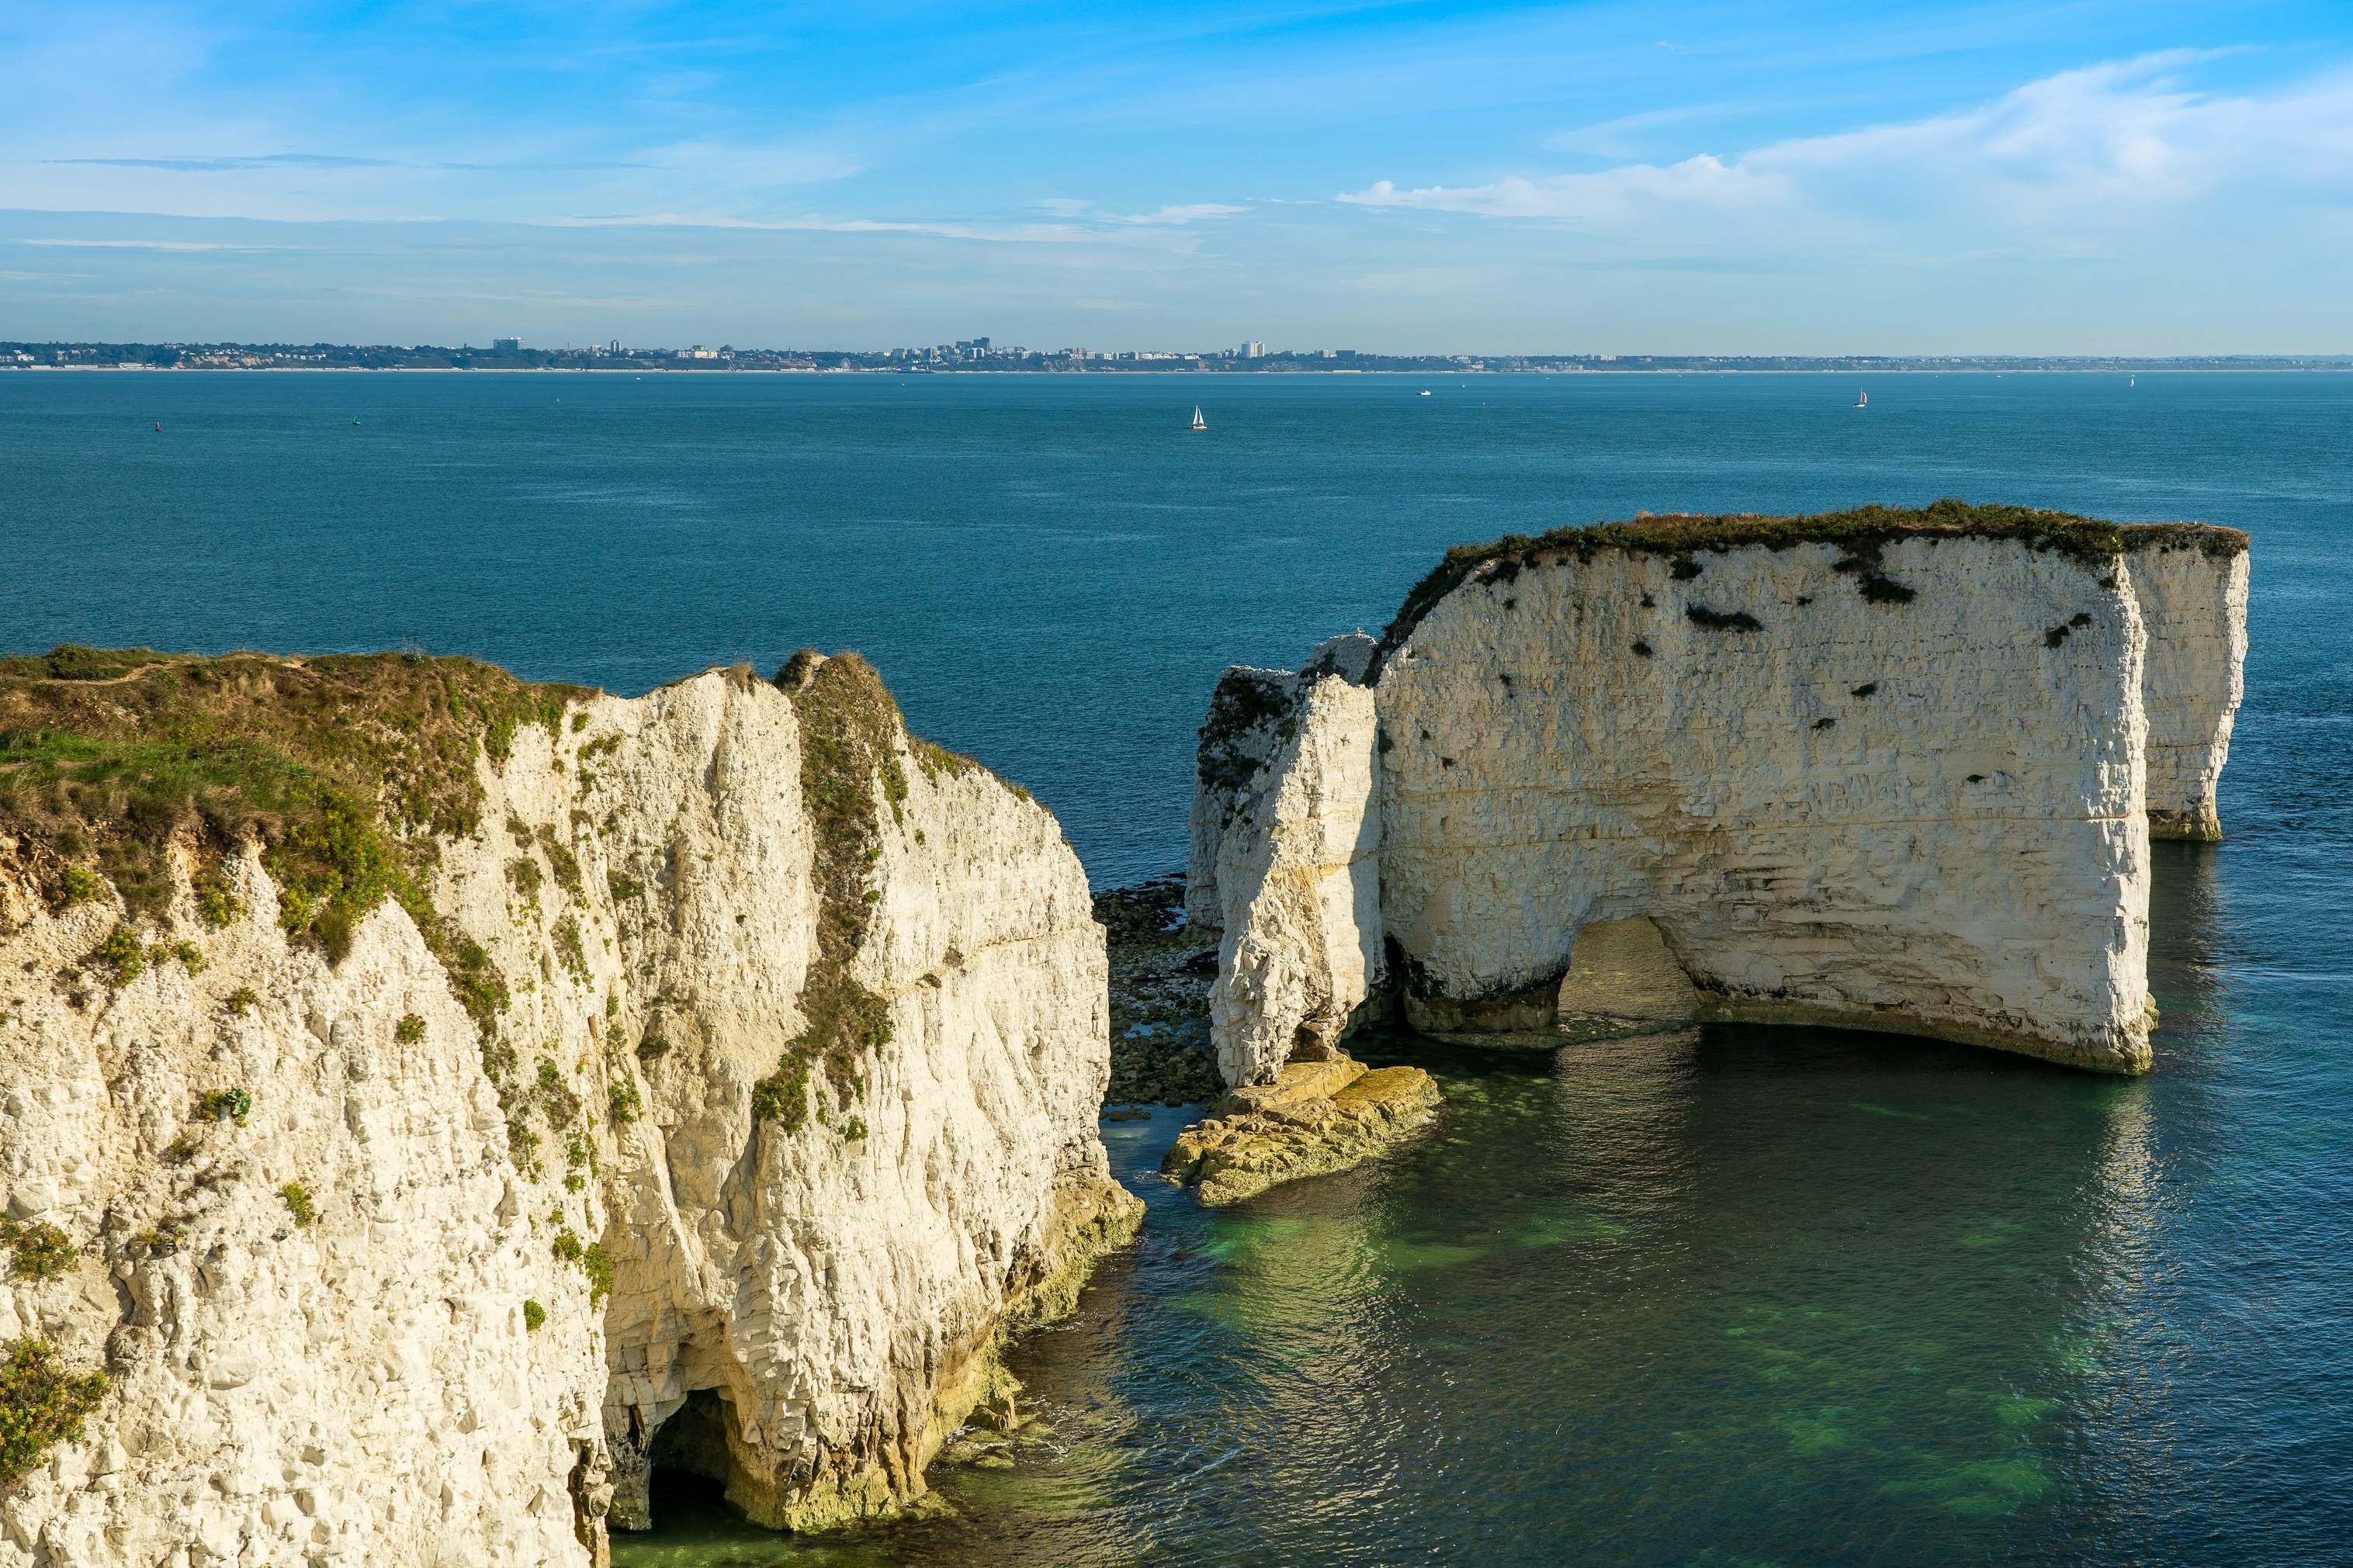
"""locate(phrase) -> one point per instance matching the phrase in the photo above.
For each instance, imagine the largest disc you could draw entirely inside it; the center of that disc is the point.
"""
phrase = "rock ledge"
(1315, 1118)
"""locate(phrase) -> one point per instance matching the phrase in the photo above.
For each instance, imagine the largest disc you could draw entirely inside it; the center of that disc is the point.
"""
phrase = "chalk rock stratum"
(1881, 770)
(430, 1100)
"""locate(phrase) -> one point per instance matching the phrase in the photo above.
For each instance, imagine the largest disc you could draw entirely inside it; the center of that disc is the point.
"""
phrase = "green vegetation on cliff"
(41, 1406)
(2220, 543)
(849, 725)
(343, 769)
(1862, 533)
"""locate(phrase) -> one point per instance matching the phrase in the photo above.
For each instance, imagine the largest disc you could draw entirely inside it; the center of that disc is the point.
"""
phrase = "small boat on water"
(1862, 400)
(1198, 423)
(1425, 395)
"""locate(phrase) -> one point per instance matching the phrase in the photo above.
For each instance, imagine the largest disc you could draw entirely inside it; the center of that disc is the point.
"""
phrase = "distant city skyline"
(1826, 178)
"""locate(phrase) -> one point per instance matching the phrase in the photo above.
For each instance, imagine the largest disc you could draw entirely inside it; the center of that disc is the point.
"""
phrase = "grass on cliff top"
(1862, 532)
(341, 768)
(2215, 542)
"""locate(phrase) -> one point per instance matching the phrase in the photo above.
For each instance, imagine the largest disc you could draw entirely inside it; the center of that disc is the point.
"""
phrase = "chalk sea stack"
(1889, 770)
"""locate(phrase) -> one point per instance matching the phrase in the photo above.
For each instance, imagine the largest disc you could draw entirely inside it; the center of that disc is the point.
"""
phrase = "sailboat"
(1198, 423)
(1862, 400)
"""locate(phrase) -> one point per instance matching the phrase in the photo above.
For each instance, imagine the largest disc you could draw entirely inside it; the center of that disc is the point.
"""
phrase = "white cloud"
(2064, 165)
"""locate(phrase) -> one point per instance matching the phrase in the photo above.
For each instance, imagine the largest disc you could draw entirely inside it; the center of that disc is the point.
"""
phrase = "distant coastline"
(980, 359)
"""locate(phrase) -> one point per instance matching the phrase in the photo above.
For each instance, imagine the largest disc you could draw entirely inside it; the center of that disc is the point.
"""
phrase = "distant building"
(1253, 349)
(510, 345)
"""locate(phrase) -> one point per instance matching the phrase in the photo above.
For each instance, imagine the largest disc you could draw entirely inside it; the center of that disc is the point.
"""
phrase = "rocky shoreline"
(1319, 1117)
(1161, 971)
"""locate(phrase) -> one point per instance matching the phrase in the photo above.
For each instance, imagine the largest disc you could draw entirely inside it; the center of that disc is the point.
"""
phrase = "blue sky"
(2044, 177)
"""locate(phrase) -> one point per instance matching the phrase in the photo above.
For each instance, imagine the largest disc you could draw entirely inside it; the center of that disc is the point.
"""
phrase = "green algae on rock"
(1316, 1119)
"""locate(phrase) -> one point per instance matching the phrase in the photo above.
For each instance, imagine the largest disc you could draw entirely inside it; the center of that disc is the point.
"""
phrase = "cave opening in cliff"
(688, 1461)
(1623, 979)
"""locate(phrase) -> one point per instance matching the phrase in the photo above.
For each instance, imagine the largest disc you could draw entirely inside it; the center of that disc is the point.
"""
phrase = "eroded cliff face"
(2192, 585)
(1922, 815)
(360, 1388)
(732, 1140)
(841, 1288)
(1888, 771)
(1299, 882)
(1252, 716)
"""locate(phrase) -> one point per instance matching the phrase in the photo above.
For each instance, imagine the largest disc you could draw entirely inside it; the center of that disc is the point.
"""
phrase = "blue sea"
(1744, 1297)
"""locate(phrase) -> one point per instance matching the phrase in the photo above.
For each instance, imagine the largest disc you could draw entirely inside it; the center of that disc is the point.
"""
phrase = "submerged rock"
(1315, 1118)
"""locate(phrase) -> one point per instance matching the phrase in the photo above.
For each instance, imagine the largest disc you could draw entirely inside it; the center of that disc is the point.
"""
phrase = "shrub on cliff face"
(226, 1105)
(120, 955)
(569, 952)
(41, 1251)
(220, 908)
(591, 1260)
(41, 1406)
(560, 856)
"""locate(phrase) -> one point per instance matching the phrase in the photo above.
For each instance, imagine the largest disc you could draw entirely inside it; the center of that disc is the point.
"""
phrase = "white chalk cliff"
(2191, 586)
(1900, 777)
(435, 1299)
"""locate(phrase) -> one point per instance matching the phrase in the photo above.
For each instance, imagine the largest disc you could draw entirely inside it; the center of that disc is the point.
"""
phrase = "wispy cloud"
(1087, 228)
(172, 244)
(2055, 166)
(1191, 212)
(321, 161)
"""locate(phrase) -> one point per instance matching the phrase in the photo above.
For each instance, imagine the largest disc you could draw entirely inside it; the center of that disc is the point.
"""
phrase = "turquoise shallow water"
(1741, 1296)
